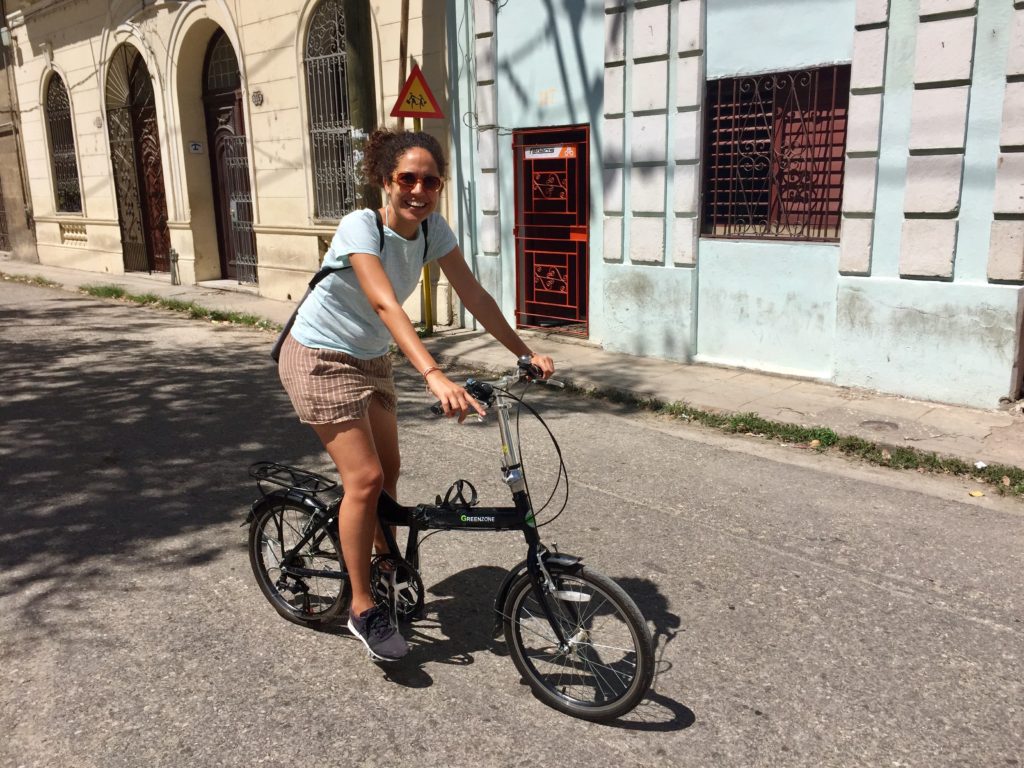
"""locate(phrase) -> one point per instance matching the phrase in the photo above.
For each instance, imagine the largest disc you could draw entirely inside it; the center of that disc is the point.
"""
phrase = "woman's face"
(410, 199)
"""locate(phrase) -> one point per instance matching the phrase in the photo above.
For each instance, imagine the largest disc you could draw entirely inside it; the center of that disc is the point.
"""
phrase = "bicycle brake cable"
(563, 472)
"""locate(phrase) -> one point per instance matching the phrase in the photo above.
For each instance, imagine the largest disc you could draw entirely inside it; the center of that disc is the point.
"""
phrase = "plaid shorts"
(328, 387)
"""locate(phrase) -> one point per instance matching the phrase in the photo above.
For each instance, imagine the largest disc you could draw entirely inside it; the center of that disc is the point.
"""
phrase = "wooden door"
(136, 160)
(229, 162)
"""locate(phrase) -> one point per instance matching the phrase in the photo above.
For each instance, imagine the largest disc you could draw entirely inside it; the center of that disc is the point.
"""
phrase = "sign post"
(415, 100)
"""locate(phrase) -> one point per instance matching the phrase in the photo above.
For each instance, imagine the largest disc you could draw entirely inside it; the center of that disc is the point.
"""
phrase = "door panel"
(136, 161)
(154, 198)
(229, 159)
(229, 162)
(126, 187)
(552, 229)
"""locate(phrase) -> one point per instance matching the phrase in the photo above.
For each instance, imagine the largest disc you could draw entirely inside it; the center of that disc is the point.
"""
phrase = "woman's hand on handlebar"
(544, 363)
(455, 400)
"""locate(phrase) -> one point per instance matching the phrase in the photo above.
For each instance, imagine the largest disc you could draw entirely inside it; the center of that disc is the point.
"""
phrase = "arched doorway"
(229, 161)
(135, 155)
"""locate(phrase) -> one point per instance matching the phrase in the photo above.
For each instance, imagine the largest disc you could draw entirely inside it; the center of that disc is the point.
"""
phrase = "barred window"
(774, 149)
(330, 130)
(62, 147)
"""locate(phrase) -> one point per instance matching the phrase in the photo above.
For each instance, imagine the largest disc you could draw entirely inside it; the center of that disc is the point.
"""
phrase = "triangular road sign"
(416, 100)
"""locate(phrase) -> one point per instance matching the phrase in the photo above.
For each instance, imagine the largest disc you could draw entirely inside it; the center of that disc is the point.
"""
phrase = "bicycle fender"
(555, 562)
(279, 496)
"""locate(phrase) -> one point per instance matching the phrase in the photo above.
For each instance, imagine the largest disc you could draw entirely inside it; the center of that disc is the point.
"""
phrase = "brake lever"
(438, 410)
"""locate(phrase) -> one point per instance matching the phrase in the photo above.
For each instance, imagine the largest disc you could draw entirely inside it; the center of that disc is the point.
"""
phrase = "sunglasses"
(409, 180)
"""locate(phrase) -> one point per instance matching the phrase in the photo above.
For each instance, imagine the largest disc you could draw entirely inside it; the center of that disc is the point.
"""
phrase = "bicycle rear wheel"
(306, 585)
(607, 663)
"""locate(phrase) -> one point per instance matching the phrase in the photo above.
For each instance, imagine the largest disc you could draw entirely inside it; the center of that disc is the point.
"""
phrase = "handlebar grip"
(531, 370)
(437, 409)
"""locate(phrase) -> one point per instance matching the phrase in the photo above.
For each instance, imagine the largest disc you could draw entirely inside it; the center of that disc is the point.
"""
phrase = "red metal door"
(551, 228)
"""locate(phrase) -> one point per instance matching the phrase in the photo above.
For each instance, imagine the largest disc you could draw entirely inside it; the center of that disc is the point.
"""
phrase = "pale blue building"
(831, 189)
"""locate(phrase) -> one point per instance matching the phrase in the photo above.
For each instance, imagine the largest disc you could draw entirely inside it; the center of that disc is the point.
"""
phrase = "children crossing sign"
(415, 99)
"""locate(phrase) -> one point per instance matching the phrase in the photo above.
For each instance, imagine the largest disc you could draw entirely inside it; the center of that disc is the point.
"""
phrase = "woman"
(335, 364)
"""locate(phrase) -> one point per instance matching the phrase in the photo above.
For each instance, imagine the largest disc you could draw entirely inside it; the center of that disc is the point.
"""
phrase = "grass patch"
(1005, 480)
(42, 282)
(105, 291)
(189, 308)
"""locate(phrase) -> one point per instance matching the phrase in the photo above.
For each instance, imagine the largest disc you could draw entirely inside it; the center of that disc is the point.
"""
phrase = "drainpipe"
(403, 55)
(14, 112)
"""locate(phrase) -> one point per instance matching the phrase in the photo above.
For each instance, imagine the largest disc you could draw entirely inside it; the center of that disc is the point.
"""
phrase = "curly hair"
(383, 149)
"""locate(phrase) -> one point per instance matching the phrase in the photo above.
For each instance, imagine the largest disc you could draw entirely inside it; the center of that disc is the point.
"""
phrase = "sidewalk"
(992, 436)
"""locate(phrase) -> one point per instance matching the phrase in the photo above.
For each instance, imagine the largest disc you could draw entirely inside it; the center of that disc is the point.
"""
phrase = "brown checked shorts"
(327, 387)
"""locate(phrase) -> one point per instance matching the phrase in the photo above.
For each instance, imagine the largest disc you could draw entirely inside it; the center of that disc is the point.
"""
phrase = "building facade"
(16, 224)
(215, 140)
(831, 189)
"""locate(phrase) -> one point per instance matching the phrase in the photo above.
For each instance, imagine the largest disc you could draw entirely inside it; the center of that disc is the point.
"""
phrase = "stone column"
(1006, 249)
(943, 66)
(867, 80)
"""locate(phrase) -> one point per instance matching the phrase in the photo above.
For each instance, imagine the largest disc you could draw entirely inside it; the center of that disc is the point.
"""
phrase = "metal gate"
(551, 228)
(229, 162)
(135, 156)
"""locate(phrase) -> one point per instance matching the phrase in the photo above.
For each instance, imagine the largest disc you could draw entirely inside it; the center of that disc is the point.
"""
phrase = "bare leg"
(384, 426)
(352, 448)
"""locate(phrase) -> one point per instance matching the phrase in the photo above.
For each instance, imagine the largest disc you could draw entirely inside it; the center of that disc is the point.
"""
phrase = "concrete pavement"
(993, 436)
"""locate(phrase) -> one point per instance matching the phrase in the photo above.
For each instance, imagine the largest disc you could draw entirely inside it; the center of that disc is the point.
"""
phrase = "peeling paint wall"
(956, 345)
(648, 311)
(769, 306)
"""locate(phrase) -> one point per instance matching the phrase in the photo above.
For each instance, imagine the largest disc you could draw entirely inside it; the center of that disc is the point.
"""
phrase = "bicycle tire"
(559, 677)
(309, 599)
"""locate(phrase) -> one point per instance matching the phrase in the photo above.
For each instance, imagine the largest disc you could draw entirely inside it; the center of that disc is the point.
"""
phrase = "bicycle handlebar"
(483, 391)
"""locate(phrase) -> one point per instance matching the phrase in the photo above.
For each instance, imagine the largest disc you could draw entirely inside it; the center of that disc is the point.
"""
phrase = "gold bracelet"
(429, 370)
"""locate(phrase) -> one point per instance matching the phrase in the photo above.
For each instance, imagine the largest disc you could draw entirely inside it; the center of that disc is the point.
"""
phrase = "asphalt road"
(808, 611)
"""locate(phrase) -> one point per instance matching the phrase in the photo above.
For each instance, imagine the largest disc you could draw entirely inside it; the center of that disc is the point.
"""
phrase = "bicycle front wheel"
(606, 664)
(306, 584)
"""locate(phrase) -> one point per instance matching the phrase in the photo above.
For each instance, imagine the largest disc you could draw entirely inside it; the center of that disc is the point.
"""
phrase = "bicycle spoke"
(311, 583)
(597, 664)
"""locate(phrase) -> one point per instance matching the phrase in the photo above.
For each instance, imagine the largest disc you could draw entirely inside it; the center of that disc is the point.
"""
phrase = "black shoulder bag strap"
(275, 351)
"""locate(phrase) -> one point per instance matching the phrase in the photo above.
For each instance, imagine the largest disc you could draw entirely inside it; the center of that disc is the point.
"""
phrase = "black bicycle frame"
(423, 517)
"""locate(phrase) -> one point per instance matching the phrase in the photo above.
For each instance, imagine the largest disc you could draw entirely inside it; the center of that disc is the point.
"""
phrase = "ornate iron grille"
(126, 185)
(243, 238)
(551, 229)
(222, 71)
(335, 174)
(135, 157)
(5, 239)
(67, 190)
(774, 150)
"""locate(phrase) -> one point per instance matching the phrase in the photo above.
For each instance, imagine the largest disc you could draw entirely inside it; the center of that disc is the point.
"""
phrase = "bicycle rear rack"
(299, 480)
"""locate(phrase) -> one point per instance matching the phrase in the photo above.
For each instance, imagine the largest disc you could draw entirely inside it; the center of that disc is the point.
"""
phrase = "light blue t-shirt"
(337, 315)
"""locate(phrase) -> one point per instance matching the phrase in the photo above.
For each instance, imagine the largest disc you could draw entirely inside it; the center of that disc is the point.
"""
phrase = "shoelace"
(378, 625)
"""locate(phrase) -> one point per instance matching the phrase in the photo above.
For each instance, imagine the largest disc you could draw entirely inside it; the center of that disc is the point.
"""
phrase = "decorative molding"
(269, 229)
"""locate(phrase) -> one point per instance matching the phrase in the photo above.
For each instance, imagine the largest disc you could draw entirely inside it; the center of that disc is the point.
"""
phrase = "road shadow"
(461, 611)
(121, 427)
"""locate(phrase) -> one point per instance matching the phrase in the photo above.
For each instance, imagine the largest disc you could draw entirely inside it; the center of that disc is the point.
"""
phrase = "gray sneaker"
(381, 639)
